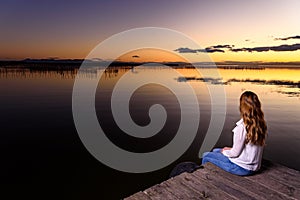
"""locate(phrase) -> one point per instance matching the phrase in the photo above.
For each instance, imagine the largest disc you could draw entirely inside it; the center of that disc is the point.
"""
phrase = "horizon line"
(97, 60)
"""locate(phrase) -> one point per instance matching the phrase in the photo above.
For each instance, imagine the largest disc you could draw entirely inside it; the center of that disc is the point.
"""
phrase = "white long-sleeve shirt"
(247, 156)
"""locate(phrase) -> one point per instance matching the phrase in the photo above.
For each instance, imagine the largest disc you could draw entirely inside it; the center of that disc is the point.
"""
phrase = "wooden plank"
(138, 196)
(280, 178)
(292, 180)
(181, 192)
(250, 185)
(203, 188)
(273, 184)
(275, 166)
(159, 192)
(229, 187)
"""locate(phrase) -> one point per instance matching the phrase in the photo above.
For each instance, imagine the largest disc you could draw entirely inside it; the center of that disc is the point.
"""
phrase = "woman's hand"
(226, 148)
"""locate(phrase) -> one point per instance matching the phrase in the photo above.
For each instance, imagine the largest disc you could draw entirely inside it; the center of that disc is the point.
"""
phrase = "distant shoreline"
(76, 63)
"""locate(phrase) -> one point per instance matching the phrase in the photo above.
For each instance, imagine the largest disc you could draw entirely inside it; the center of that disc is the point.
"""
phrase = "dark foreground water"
(43, 156)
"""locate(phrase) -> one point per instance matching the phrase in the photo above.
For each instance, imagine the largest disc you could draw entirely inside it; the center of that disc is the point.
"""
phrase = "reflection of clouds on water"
(290, 94)
(285, 87)
(289, 88)
(267, 82)
(293, 87)
(215, 81)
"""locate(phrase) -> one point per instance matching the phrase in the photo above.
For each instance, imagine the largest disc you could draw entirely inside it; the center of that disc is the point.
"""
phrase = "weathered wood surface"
(274, 182)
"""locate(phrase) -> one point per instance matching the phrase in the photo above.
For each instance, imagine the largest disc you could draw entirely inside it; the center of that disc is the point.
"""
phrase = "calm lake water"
(42, 153)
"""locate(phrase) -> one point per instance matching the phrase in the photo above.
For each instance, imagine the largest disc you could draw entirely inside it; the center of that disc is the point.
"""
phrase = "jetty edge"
(273, 181)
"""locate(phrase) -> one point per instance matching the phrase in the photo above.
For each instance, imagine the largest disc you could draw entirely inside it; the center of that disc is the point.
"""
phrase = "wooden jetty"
(273, 181)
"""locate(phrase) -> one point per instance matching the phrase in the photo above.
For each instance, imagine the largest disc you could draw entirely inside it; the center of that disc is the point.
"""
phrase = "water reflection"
(42, 145)
(287, 79)
(282, 84)
(215, 81)
(64, 72)
(37, 72)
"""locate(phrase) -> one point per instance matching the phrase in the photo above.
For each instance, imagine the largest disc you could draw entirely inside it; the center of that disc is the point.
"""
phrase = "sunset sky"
(231, 30)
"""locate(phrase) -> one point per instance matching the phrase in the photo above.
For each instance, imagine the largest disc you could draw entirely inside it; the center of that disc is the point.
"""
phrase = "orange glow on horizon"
(270, 56)
(70, 51)
(151, 55)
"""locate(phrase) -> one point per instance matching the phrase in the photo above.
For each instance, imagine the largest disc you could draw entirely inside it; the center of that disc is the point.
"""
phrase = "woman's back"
(248, 155)
(248, 140)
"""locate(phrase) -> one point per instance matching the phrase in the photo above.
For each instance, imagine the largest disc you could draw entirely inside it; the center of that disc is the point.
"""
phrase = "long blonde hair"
(253, 117)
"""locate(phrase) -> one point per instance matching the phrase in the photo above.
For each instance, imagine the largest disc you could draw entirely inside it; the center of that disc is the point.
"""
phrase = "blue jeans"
(218, 159)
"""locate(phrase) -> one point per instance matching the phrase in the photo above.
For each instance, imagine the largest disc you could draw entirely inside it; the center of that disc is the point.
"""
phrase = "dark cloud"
(258, 49)
(135, 56)
(211, 49)
(288, 38)
(219, 46)
(186, 50)
(285, 47)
